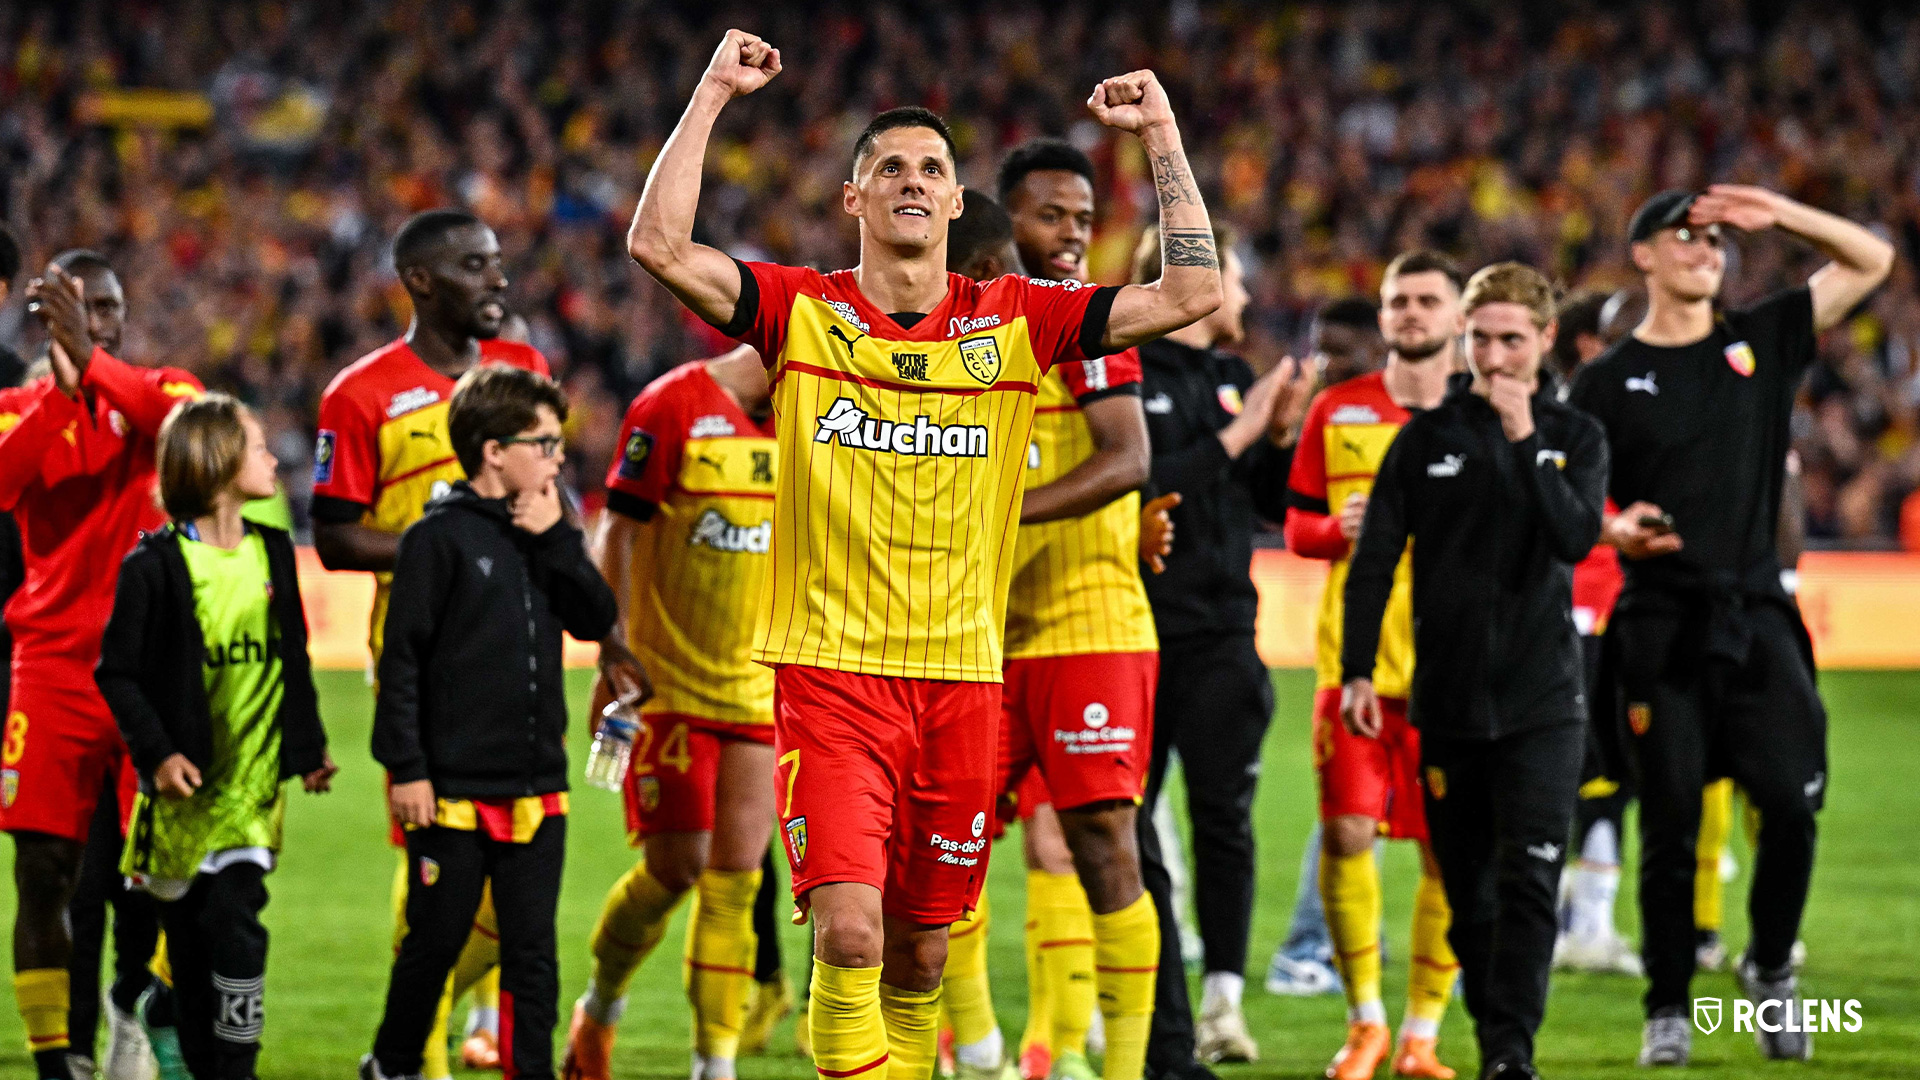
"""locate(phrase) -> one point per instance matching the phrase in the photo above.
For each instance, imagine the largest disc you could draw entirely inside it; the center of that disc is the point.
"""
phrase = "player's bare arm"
(1861, 260)
(348, 545)
(1119, 464)
(661, 237)
(621, 673)
(1189, 288)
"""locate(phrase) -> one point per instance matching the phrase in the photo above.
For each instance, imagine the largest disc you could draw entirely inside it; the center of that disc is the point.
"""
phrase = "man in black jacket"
(1500, 489)
(1222, 440)
(471, 718)
(1715, 665)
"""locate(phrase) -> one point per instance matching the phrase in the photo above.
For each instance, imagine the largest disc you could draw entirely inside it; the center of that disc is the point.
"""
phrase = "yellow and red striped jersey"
(902, 461)
(700, 474)
(384, 450)
(1346, 434)
(1076, 581)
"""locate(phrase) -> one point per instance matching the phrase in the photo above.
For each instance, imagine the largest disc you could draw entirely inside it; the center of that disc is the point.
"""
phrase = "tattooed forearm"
(1174, 180)
(1189, 247)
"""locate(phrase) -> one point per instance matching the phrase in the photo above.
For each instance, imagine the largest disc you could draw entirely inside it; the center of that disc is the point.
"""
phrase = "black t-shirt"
(1701, 431)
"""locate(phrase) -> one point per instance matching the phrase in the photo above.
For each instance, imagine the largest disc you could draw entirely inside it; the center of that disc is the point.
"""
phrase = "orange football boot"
(1418, 1057)
(589, 1049)
(1036, 1062)
(1367, 1046)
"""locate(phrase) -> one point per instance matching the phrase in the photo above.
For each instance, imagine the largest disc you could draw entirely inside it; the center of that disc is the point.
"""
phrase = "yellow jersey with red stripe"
(1076, 581)
(699, 474)
(384, 451)
(1346, 434)
(902, 460)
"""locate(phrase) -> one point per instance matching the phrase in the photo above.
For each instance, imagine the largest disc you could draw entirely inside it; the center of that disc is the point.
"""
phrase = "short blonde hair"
(201, 448)
(1146, 254)
(1511, 283)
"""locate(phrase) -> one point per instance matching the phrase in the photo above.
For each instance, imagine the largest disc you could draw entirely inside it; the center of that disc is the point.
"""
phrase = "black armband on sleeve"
(329, 510)
(1093, 326)
(632, 506)
(748, 305)
(1131, 389)
(1307, 504)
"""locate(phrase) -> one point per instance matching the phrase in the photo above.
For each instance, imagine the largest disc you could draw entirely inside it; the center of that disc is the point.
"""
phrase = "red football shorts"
(1376, 778)
(1084, 723)
(58, 751)
(676, 768)
(888, 782)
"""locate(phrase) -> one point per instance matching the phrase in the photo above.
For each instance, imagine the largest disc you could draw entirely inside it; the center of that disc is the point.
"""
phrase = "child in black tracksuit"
(471, 717)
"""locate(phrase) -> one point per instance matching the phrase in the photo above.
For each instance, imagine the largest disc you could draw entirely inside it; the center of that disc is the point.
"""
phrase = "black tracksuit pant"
(136, 929)
(446, 871)
(1498, 811)
(1212, 705)
(1695, 718)
(217, 948)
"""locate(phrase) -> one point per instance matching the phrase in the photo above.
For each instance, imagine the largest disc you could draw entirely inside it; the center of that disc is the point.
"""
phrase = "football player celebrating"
(904, 398)
(1081, 651)
(684, 543)
(77, 473)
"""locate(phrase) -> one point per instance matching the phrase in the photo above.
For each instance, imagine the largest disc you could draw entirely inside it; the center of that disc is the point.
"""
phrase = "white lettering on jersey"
(851, 425)
(960, 324)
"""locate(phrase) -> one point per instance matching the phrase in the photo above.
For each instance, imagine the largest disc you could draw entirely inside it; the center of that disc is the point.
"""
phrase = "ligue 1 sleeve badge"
(1740, 358)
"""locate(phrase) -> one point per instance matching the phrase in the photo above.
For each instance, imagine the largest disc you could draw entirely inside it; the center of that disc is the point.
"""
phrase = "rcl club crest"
(981, 356)
(797, 839)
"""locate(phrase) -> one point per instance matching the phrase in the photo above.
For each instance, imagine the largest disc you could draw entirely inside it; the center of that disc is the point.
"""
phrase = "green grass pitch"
(331, 936)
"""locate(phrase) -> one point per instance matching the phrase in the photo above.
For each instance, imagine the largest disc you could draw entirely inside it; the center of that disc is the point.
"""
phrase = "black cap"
(1663, 211)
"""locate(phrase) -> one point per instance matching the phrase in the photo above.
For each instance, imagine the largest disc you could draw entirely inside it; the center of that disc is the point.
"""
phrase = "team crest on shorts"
(429, 871)
(649, 793)
(1437, 781)
(1639, 717)
(797, 839)
(9, 787)
(981, 355)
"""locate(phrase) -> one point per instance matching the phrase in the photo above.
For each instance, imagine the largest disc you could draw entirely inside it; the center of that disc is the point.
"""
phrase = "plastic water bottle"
(612, 751)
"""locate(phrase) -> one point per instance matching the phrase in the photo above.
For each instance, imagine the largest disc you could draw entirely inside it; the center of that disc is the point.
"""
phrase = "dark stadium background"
(249, 206)
(245, 164)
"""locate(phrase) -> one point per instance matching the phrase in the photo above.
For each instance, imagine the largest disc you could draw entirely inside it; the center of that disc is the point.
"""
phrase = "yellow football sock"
(43, 996)
(967, 996)
(631, 923)
(1039, 1030)
(399, 899)
(161, 965)
(843, 1016)
(912, 1020)
(1066, 954)
(486, 992)
(1430, 981)
(720, 948)
(435, 1061)
(1350, 890)
(1127, 958)
(480, 956)
(1716, 826)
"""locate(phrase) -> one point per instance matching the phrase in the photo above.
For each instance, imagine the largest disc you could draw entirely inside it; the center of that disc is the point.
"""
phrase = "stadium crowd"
(245, 165)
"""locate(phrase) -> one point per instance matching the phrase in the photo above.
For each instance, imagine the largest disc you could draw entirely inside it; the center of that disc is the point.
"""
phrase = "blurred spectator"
(250, 186)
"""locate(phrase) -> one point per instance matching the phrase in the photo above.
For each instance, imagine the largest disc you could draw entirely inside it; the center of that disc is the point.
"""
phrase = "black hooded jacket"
(1496, 528)
(153, 657)
(472, 693)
